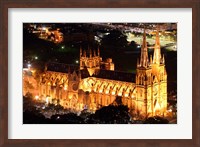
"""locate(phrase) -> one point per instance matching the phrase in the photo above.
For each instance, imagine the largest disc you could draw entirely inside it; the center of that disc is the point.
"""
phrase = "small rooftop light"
(29, 65)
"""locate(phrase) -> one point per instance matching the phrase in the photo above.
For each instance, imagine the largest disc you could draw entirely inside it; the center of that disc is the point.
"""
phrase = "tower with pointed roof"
(91, 61)
(143, 80)
(151, 81)
(159, 83)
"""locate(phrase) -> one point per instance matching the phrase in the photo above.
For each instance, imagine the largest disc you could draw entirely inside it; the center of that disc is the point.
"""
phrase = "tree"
(70, 118)
(110, 115)
(115, 39)
(133, 44)
(156, 120)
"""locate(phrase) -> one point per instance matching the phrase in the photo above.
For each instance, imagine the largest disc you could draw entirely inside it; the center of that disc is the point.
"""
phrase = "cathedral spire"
(84, 53)
(157, 55)
(163, 59)
(90, 52)
(144, 52)
(81, 51)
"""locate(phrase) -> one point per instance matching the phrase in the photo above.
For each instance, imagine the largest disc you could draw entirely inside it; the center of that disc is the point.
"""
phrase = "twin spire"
(144, 60)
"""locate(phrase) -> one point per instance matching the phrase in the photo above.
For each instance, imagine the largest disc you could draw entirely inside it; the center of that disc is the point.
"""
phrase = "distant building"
(95, 83)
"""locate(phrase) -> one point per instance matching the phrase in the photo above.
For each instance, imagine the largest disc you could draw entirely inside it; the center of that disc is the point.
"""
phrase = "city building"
(95, 83)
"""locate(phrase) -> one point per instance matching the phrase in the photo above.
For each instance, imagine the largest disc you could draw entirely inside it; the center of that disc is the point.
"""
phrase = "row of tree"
(116, 113)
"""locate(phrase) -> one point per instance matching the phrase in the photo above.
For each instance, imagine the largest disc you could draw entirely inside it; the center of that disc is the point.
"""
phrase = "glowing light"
(107, 91)
(77, 61)
(44, 28)
(81, 106)
(170, 110)
(25, 69)
(70, 97)
(126, 95)
(47, 100)
(65, 88)
(100, 91)
(113, 93)
(36, 57)
(119, 94)
(36, 97)
(29, 65)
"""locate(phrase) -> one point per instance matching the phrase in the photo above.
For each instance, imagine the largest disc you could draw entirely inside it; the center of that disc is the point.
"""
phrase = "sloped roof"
(59, 67)
(116, 75)
(104, 74)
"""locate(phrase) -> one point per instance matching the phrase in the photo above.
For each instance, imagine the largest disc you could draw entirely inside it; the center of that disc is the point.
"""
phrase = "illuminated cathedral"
(95, 83)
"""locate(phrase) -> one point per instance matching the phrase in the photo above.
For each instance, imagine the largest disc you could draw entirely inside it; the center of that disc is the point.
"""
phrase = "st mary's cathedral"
(95, 83)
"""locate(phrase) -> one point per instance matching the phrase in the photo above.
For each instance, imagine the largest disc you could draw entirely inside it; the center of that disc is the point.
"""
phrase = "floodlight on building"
(126, 95)
(113, 93)
(36, 97)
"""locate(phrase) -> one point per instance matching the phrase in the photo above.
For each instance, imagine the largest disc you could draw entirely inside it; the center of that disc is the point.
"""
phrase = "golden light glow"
(47, 100)
(126, 95)
(36, 97)
(141, 95)
(119, 94)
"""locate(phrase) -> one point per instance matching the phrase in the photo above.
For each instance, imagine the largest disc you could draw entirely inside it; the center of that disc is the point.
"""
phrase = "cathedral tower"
(159, 80)
(157, 53)
(143, 81)
(91, 62)
(151, 81)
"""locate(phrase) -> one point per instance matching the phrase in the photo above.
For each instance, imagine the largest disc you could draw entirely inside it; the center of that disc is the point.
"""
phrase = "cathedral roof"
(104, 74)
(59, 67)
(111, 75)
(116, 75)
